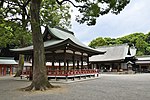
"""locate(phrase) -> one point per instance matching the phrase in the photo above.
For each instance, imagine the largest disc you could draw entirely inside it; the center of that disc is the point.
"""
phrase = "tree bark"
(40, 80)
(20, 66)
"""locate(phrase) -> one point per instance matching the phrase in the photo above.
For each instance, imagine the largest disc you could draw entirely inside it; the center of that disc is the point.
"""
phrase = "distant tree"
(97, 42)
(139, 40)
(147, 51)
(141, 46)
(118, 41)
(109, 41)
(104, 41)
(131, 38)
(148, 37)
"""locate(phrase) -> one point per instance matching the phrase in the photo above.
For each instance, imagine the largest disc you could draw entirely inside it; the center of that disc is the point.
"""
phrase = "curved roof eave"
(86, 48)
(58, 43)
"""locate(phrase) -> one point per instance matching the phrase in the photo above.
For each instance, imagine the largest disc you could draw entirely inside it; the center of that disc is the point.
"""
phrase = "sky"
(134, 18)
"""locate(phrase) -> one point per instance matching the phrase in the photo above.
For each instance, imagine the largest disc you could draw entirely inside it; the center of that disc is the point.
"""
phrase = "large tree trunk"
(20, 66)
(40, 80)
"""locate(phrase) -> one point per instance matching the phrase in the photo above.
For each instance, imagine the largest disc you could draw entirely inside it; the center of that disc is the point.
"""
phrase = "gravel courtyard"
(107, 87)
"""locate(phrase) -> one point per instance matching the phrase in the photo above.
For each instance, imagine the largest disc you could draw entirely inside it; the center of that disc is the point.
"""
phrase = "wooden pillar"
(73, 60)
(67, 67)
(11, 71)
(140, 68)
(59, 66)
(0, 70)
(53, 60)
(4, 71)
(82, 61)
(78, 64)
(65, 60)
(112, 66)
(118, 68)
(78, 68)
(65, 64)
(88, 62)
(53, 65)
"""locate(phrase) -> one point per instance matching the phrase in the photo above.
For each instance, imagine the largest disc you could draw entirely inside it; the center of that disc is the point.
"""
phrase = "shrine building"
(7, 66)
(65, 55)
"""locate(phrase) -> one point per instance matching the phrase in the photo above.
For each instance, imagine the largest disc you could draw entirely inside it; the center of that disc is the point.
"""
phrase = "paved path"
(107, 87)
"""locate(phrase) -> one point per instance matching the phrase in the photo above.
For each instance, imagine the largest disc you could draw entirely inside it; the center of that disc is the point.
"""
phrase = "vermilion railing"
(64, 72)
(70, 72)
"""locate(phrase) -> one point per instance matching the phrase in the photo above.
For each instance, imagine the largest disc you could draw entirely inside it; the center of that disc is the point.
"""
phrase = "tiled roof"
(114, 53)
(62, 36)
(7, 61)
(143, 59)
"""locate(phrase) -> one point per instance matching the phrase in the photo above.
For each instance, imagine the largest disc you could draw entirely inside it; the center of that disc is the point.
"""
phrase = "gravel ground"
(107, 87)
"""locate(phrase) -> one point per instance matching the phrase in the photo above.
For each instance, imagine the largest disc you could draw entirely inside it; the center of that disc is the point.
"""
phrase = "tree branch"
(1, 3)
(27, 3)
(15, 19)
(79, 6)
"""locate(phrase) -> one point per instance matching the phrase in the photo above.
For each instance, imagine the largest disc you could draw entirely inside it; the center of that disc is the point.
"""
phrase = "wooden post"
(67, 68)
(81, 61)
(0, 70)
(88, 62)
(78, 68)
(73, 58)
(59, 67)
(140, 69)
(65, 64)
(53, 59)
(118, 68)
(10, 70)
(4, 73)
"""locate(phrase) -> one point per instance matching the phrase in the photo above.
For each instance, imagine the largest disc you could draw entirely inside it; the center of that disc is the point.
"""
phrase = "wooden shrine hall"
(66, 56)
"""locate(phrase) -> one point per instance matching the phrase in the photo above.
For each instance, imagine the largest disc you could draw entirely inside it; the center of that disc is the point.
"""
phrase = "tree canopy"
(15, 20)
(14, 35)
(139, 40)
(92, 9)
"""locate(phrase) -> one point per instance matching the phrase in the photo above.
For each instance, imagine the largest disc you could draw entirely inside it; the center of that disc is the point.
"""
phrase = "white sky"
(134, 18)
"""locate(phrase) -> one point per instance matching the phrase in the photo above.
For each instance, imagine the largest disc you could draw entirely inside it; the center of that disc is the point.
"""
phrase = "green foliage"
(91, 9)
(139, 40)
(97, 42)
(141, 45)
(54, 15)
(14, 35)
(15, 20)
(139, 53)
(148, 37)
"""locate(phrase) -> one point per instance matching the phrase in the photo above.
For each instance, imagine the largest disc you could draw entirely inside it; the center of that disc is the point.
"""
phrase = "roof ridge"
(115, 45)
(65, 30)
